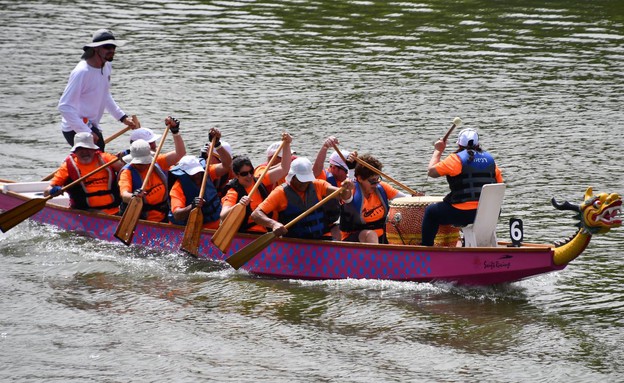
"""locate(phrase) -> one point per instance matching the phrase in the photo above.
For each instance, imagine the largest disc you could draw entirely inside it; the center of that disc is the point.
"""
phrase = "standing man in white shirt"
(87, 93)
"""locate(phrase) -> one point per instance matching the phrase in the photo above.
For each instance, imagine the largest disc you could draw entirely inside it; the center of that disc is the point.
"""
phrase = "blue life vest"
(311, 226)
(331, 208)
(467, 185)
(137, 183)
(351, 213)
(212, 205)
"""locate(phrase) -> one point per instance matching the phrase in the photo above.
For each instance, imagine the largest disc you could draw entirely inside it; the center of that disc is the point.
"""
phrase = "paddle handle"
(151, 168)
(316, 206)
(366, 164)
(266, 170)
(207, 170)
(456, 122)
(115, 135)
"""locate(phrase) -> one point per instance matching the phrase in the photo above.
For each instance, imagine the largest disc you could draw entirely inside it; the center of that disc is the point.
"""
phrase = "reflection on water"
(540, 80)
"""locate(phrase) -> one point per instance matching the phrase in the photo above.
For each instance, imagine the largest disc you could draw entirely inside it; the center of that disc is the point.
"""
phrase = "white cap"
(140, 153)
(84, 140)
(302, 168)
(190, 165)
(335, 159)
(226, 146)
(144, 134)
(273, 148)
(466, 136)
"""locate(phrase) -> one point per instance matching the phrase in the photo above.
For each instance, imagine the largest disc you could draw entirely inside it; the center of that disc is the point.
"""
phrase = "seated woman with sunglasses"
(239, 187)
(363, 217)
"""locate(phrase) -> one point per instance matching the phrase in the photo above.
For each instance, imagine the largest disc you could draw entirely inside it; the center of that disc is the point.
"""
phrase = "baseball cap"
(302, 168)
(190, 165)
(468, 137)
(145, 134)
(335, 159)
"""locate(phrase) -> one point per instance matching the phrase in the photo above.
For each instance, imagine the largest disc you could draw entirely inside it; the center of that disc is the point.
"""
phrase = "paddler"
(98, 192)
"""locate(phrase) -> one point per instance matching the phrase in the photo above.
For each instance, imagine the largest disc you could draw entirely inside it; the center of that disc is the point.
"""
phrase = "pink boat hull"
(300, 259)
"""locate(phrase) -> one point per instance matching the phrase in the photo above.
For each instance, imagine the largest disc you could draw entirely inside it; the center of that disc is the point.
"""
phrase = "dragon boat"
(318, 260)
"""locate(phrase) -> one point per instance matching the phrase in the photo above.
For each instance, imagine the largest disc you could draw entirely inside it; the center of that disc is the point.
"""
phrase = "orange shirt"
(323, 176)
(230, 199)
(452, 166)
(98, 181)
(266, 181)
(178, 199)
(277, 201)
(373, 208)
(156, 189)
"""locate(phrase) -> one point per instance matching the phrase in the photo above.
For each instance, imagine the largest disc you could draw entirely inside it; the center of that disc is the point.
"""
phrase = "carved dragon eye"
(597, 204)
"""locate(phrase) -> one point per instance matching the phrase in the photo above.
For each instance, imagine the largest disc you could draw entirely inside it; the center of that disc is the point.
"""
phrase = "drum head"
(415, 201)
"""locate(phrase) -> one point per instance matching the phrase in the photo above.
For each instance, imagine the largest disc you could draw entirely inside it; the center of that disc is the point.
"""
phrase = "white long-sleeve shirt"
(87, 95)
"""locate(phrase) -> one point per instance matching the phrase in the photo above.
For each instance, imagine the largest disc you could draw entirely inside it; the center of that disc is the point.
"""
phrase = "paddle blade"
(12, 217)
(245, 254)
(125, 229)
(192, 231)
(222, 238)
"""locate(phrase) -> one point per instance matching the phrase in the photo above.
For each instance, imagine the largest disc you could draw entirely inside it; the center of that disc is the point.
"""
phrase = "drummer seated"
(363, 216)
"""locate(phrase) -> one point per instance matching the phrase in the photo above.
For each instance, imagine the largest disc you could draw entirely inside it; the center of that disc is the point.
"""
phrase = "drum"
(404, 225)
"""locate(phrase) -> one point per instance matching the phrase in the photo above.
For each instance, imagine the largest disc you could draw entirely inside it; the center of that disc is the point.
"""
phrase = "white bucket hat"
(302, 168)
(140, 153)
(468, 137)
(190, 165)
(84, 140)
(103, 37)
(144, 134)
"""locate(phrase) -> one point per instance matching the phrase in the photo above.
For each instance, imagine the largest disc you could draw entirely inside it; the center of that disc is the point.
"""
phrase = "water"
(542, 81)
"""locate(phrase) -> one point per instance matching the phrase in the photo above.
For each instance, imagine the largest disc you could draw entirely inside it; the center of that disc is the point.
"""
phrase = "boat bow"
(597, 215)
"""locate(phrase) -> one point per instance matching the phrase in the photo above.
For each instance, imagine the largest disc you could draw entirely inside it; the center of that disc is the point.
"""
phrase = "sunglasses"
(374, 181)
(109, 46)
(340, 167)
(246, 173)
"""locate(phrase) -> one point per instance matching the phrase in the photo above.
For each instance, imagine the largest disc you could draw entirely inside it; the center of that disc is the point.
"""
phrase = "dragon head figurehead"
(600, 213)
(597, 215)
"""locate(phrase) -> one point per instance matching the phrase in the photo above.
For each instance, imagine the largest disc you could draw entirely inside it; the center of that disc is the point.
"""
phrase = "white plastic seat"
(482, 233)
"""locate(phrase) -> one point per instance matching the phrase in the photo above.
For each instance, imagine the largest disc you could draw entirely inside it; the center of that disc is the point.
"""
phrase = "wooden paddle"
(130, 217)
(12, 217)
(366, 164)
(456, 122)
(107, 140)
(245, 254)
(222, 238)
(195, 221)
